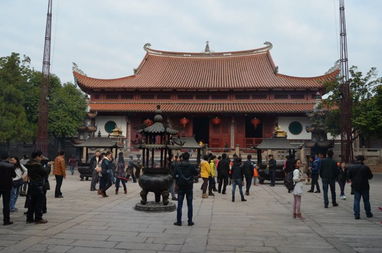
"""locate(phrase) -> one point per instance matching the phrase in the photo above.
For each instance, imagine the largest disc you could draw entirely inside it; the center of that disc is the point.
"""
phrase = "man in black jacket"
(328, 173)
(272, 169)
(105, 180)
(248, 173)
(359, 174)
(37, 179)
(7, 172)
(223, 173)
(184, 177)
(237, 178)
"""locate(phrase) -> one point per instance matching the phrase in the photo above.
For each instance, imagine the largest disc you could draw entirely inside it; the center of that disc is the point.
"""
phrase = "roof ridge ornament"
(268, 45)
(336, 66)
(207, 48)
(147, 46)
(75, 68)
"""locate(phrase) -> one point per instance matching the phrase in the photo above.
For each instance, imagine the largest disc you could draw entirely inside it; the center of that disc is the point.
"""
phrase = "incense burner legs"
(156, 183)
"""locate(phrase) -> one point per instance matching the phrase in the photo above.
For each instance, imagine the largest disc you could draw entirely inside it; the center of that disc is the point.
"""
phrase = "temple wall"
(101, 120)
(284, 123)
(219, 135)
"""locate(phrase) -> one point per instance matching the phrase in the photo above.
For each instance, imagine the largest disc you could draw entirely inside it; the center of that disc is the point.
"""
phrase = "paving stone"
(369, 250)
(140, 246)
(171, 247)
(142, 251)
(82, 236)
(4, 243)
(126, 238)
(94, 250)
(304, 250)
(224, 248)
(262, 224)
(193, 248)
(59, 249)
(56, 241)
(38, 248)
(255, 249)
(169, 240)
(94, 244)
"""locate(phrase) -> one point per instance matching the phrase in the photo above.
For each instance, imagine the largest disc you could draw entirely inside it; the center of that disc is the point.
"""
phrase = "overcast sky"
(106, 37)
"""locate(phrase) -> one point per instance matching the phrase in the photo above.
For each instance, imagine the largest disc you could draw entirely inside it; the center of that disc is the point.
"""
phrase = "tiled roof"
(271, 106)
(251, 69)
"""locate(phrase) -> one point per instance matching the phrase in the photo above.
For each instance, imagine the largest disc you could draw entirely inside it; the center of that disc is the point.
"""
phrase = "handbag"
(98, 169)
(25, 177)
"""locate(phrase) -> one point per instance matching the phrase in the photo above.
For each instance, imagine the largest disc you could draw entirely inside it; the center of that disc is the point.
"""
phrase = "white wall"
(101, 121)
(284, 125)
(304, 135)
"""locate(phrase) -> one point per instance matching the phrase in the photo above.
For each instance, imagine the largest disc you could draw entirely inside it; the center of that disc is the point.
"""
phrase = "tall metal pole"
(42, 124)
(346, 99)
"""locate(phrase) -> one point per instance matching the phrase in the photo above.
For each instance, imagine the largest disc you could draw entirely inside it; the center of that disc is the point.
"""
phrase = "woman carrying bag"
(18, 181)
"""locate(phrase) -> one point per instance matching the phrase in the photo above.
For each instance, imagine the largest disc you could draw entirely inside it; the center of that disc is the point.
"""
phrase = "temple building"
(224, 99)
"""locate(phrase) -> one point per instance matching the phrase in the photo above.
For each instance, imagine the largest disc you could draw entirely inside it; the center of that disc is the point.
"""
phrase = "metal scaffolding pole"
(42, 124)
(346, 97)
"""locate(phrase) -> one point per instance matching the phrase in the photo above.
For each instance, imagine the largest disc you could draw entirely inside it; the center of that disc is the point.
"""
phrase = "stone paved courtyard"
(85, 222)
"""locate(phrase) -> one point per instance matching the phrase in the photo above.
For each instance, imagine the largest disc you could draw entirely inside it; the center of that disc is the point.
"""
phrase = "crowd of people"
(323, 165)
(107, 171)
(210, 168)
(227, 172)
(29, 177)
(14, 175)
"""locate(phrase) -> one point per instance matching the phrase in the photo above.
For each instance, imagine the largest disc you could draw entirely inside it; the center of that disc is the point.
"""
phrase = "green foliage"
(14, 76)
(366, 93)
(19, 98)
(67, 107)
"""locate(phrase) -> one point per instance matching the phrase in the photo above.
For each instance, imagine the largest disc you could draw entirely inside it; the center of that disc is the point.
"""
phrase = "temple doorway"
(201, 129)
(251, 131)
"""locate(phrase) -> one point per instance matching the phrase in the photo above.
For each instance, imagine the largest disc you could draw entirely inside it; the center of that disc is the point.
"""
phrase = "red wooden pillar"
(268, 126)
(240, 131)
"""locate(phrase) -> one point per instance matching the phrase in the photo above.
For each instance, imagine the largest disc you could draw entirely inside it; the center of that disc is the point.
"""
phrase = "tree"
(369, 115)
(365, 91)
(19, 98)
(67, 108)
(32, 94)
(14, 75)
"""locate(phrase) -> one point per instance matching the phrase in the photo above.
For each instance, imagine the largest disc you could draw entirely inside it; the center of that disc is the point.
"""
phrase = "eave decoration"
(255, 122)
(184, 121)
(216, 121)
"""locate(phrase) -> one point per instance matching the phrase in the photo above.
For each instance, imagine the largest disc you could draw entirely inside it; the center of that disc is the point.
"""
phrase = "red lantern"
(148, 122)
(184, 121)
(216, 121)
(255, 122)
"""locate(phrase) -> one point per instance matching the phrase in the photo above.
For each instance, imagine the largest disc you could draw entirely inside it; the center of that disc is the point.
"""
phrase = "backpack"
(183, 181)
(288, 181)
